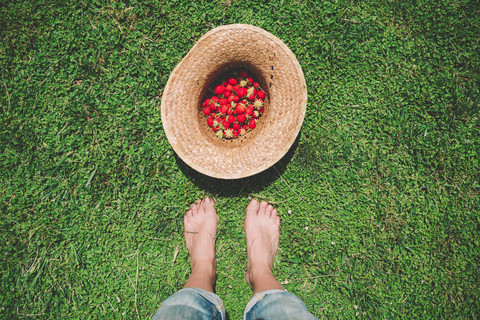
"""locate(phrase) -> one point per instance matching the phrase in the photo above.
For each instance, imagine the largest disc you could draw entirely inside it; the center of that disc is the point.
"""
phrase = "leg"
(197, 299)
(270, 300)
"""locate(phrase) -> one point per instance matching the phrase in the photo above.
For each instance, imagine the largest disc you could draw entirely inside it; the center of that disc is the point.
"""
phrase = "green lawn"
(379, 196)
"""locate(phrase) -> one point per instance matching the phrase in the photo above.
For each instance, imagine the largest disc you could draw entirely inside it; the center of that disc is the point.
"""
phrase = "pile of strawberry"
(235, 106)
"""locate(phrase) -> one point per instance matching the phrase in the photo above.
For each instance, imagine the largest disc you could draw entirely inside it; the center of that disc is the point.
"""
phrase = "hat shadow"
(236, 187)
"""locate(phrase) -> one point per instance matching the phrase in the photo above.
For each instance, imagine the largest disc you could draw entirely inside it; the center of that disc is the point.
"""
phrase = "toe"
(268, 210)
(263, 207)
(201, 207)
(252, 208)
(207, 204)
(194, 209)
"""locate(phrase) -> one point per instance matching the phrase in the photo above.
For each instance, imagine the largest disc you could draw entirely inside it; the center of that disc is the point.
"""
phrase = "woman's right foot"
(262, 229)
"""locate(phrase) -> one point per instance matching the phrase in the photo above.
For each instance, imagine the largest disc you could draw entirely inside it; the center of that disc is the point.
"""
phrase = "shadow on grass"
(235, 187)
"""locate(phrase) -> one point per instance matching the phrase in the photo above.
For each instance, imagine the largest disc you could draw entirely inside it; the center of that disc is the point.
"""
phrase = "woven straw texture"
(279, 74)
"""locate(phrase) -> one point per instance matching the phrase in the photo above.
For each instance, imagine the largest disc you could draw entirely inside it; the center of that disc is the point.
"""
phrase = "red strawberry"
(229, 87)
(215, 129)
(243, 74)
(235, 88)
(230, 98)
(232, 81)
(214, 98)
(226, 124)
(236, 126)
(206, 111)
(240, 108)
(256, 114)
(260, 94)
(210, 121)
(251, 97)
(245, 127)
(252, 124)
(249, 110)
(223, 109)
(256, 85)
(242, 131)
(241, 118)
(219, 89)
(224, 83)
(223, 101)
(212, 106)
(242, 92)
(250, 80)
(261, 110)
(235, 133)
(235, 98)
(227, 94)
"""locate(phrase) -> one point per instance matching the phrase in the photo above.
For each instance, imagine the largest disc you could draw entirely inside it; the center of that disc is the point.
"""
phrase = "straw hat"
(280, 76)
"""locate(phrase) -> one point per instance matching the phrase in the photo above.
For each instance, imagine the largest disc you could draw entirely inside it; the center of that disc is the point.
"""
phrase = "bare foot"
(200, 224)
(262, 228)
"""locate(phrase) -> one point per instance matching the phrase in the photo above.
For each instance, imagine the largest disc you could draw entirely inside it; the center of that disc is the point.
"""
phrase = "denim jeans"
(193, 303)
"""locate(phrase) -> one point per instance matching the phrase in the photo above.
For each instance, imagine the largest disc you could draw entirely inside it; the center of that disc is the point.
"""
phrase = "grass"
(379, 197)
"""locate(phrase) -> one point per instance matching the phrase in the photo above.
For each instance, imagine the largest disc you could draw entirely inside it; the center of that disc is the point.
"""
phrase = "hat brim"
(281, 77)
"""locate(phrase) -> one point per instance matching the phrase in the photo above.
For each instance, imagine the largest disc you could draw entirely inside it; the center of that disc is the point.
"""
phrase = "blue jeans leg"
(191, 303)
(278, 305)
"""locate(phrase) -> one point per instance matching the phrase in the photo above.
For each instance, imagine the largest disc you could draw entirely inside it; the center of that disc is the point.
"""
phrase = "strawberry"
(229, 87)
(242, 131)
(243, 83)
(249, 110)
(236, 98)
(241, 118)
(235, 88)
(219, 134)
(258, 104)
(232, 81)
(245, 127)
(214, 98)
(219, 90)
(251, 97)
(210, 121)
(236, 126)
(256, 114)
(223, 101)
(215, 128)
(260, 94)
(243, 74)
(228, 133)
(256, 85)
(250, 80)
(206, 111)
(242, 92)
(230, 98)
(240, 108)
(231, 118)
(226, 124)
(223, 109)
(252, 124)
(235, 133)
(227, 94)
